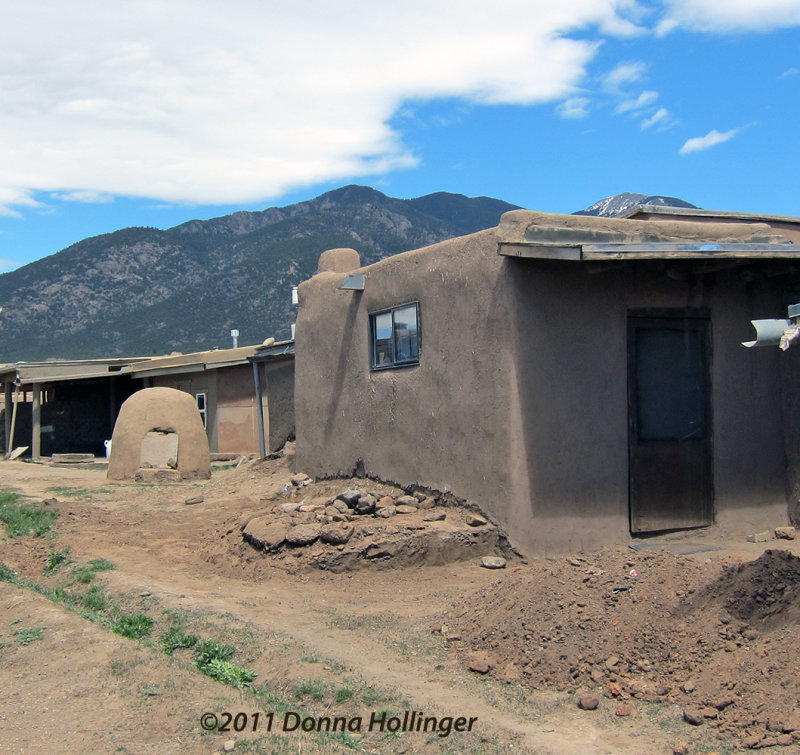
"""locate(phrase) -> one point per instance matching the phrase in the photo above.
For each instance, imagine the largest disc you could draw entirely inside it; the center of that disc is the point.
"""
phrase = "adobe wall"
(194, 383)
(277, 382)
(519, 403)
(237, 415)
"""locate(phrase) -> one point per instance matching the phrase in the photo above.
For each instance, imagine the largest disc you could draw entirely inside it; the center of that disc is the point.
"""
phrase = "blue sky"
(154, 113)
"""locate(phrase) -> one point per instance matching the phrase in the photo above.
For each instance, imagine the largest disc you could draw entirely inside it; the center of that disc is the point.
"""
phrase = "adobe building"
(581, 379)
(244, 395)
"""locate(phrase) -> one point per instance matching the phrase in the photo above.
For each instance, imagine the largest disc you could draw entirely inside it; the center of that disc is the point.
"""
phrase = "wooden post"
(36, 423)
(13, 420)
(7, 415)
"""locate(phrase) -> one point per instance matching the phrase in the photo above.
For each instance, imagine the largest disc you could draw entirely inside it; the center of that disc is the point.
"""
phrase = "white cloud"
(730, 15)
(574, 108)
(88, 197)
(789, 73)
(645, 99)
(660, 118)
(6, 264)
(623, 75)
(211, 102)
(711, 139)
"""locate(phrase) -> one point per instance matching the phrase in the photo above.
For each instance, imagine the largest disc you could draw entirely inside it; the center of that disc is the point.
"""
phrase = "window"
(201, 407)
(394, 337)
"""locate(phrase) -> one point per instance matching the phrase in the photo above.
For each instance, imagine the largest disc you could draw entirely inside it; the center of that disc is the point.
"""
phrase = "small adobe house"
(245, 395)
(581, 379)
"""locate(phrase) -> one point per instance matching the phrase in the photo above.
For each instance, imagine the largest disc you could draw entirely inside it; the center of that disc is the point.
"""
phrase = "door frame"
(701, 319)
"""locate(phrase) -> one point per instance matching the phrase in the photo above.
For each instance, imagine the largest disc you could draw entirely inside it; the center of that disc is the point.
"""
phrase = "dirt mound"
(649, 626)
(345, 525)
(765, 592)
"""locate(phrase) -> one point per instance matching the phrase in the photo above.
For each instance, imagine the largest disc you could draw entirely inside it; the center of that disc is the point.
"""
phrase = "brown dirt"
(683, 622)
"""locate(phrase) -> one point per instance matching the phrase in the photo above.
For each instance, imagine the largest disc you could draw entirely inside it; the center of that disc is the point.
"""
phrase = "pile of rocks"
(373, 522)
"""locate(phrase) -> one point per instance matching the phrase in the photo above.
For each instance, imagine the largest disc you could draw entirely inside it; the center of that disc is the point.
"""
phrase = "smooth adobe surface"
(153, 409)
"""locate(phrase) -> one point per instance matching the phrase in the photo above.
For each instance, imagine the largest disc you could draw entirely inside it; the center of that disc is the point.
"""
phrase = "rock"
(623, 709)
(784, 740)
(309, 507)
(435, 516)
(709, 712)
(365, 505)
(759, 537)
(693, 716)
(336, 534)
(385, 502)
(265, 534)
(426, 503)
(300, 479)
(229, 745)
(404, 508)
(303, 534)
(493, 562)
(407, 500)
(688, 686)
(340, 506)
(614, 689)
(480, 663)
(588, 701)
(473, 520)
(194, 500)
(682, 748)
(419, 495)
(332, 511)
(611, 662)
(386, 512)
(723, 702)
(776, 725)
(785, 533)
(750, 743)
(350, 497)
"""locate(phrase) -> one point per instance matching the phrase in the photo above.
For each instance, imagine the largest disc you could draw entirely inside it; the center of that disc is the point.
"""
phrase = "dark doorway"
(669, 400)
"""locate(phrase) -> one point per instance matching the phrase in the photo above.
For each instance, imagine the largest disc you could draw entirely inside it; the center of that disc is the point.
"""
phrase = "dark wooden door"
(669, 399)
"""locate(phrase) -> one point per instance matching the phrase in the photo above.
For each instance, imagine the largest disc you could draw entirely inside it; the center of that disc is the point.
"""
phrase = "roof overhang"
(649, 250)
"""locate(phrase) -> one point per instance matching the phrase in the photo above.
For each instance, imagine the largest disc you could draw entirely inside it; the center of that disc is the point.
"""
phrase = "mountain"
(142, 291)
(620, 203)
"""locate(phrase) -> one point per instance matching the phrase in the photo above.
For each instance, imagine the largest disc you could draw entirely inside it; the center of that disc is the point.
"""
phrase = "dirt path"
(366, 633)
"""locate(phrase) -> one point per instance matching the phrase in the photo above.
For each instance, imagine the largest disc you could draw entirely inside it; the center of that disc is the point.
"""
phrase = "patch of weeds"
(371, 695)
(22, 519)
(211, 650)
(272, 700)
(57, 559)
(7, 574)
(227, 673)
(313, 688)
(85, 573)
(28, 635)
(175, 638)
(70, 492)
(94, 599)
(102, 564)
(343, 738)
(133, 626)
(311, 658)
(213, 659)
(343, 694)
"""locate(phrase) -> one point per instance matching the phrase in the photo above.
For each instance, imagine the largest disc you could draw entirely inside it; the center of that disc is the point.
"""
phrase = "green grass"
(28, 635)
(70, 492)
(94, 599)
(85, 573)
(23, 519)
(56, 560)
(175, 638)
(213, 659)
(313, 688)
(133, 626)
(7, 574)
(343, 694)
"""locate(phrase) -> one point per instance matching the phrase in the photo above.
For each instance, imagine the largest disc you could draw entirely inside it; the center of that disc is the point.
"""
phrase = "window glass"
(383, 353)
(406, 344)
(395, 337)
